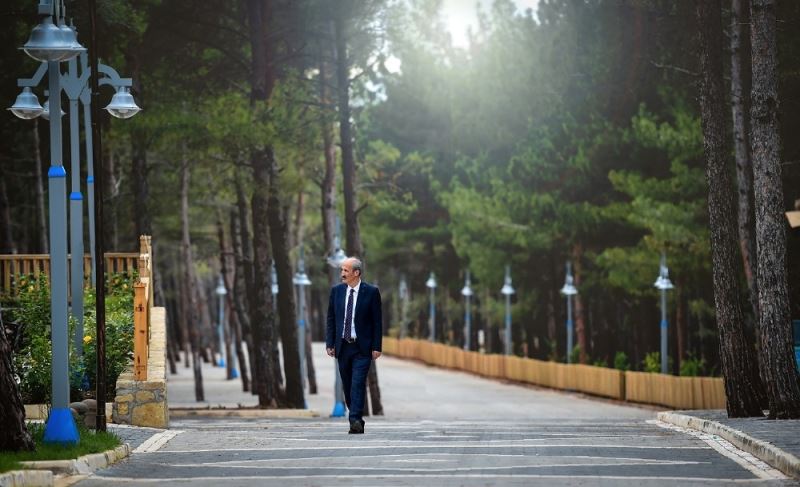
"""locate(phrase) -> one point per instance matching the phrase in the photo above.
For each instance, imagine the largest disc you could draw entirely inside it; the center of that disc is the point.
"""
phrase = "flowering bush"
(30, 309)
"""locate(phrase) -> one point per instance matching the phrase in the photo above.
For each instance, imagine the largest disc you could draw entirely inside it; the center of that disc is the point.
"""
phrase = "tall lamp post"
(508, 291)
(224, 341)
(220, 291)
(466, 291)
(431, 284)
(335, 261)
(302, 281)
(48, 43)
(568, 291)
(663, 284)
(403, 291)
(75, 86)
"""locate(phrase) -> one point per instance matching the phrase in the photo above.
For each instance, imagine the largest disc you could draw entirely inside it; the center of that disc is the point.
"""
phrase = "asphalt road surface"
(441, 428)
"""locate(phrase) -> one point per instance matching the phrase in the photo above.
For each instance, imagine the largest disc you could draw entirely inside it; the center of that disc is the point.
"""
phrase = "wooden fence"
(15, 267)
(641, 387)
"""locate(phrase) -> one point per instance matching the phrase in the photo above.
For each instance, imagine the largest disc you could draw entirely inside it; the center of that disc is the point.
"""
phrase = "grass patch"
(90, 442)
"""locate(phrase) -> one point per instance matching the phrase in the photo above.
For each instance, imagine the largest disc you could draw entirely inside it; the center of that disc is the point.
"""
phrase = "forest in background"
(572, 133)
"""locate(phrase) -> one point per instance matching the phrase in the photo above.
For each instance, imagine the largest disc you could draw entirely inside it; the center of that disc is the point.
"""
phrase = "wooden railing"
(641, 387)
(13, 266)
(142, 305)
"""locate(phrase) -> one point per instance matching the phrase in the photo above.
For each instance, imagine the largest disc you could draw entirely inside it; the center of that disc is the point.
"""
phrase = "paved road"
(442, 428)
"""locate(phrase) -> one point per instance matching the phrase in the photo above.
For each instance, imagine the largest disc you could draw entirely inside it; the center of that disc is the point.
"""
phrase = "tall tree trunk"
(41, 215)
(287, 314)
(7, 245)
(262, 319)
(188, 293)
(15, 435)
(264, 44)
(139, 146)
(141, 213)
(244, 282)
(239, 296)
(778, 368)
(738, 363)
(299, 215)
(680, 325)
(744, 168)
(139, 143)
(311, 373)
(552, 340)
(328, 191)
(234, 333)
(352, 231)
(110, 194)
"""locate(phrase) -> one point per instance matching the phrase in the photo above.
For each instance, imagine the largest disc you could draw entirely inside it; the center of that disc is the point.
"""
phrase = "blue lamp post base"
(338, 410)
(234, 373)
(60, 427)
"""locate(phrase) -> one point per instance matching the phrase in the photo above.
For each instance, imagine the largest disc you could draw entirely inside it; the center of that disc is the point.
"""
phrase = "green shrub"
(32, 360)
(692, 366)
(621, 361)
(575, 354)
(652, 362)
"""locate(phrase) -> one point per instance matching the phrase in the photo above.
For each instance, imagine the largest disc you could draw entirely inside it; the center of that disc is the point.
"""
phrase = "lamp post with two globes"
(50, 44)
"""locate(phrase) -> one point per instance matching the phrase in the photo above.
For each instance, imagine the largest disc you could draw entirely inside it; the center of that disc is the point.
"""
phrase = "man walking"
(354, 333)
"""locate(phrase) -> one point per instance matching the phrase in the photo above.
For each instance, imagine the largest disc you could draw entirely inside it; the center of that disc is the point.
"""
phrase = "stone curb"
(43, 473)
(243, 413)
(763, 450)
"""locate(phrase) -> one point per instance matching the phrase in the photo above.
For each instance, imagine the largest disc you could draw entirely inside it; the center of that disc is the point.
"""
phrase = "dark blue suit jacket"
(367, 318)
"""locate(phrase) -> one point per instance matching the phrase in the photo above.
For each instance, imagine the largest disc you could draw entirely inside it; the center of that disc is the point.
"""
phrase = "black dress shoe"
(356, 428)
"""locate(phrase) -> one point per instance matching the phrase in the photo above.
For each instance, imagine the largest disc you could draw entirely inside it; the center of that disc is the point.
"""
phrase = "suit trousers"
(354, 367)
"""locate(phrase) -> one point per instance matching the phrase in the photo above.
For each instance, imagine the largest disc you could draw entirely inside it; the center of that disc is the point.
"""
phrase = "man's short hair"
(357, 265)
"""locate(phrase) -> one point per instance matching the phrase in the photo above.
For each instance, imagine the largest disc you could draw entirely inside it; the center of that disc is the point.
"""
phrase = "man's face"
(349, 276)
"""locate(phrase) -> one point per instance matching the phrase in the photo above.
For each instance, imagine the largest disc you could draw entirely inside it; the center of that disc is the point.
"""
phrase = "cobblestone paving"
(410, 453)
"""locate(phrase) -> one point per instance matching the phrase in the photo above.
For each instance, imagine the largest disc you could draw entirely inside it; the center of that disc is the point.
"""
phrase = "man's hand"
(375, 354)
(331, 351)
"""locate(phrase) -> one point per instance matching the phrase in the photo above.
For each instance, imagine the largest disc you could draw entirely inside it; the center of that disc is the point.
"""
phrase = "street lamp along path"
(51, 44)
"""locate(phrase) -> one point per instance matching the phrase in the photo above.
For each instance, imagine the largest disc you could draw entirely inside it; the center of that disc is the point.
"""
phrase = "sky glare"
(459, 15)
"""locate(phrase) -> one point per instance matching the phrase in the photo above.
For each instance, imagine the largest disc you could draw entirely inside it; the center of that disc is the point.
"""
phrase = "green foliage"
(575, 354)
(692, 366)
(89, 442)
(652, 362)
(621, 361)
(32, 361)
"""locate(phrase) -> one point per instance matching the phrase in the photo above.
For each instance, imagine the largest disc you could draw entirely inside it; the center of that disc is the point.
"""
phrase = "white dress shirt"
(355, 301)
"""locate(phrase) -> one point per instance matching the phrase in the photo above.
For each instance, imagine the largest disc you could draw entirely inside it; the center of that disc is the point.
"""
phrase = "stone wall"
(144, 403)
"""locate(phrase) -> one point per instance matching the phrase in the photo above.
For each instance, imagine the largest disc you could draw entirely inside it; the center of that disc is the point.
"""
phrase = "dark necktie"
(348, 318)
